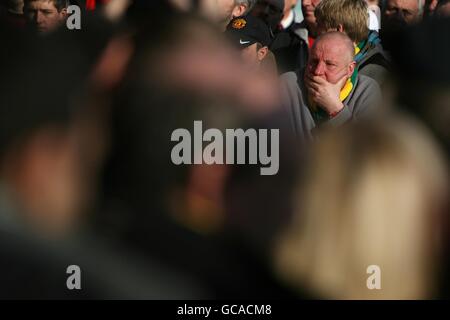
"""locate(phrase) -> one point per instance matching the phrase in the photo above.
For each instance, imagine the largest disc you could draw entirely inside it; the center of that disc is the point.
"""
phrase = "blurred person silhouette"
(422, 86)
(183, 73)
(350, 16)
(329, 91)
(11, 13)
(271, 12)
(44, 16)
(442, 9)
(423, 75)
(43, 181)
(385, 207)
(48, 174)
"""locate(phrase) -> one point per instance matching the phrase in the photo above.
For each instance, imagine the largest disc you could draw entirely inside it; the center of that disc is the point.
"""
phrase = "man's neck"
(312, 29)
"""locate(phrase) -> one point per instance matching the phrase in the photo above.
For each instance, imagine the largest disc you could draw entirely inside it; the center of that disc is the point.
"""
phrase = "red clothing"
(311, 41)
(91, 4)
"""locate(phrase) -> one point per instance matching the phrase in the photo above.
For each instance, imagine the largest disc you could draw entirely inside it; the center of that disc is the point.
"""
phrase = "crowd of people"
(359, 91)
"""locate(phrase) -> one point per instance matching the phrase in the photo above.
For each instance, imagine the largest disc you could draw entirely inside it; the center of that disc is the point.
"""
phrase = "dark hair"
(59, 4)
(37, 85)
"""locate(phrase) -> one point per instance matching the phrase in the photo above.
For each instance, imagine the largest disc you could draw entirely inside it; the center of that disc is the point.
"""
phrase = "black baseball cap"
(247, 30)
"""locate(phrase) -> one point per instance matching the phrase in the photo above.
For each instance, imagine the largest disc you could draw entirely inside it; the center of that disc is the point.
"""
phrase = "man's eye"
(391, 10)
(407, 13)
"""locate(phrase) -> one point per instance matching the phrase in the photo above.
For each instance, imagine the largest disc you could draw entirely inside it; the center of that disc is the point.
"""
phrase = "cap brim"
(240, 41)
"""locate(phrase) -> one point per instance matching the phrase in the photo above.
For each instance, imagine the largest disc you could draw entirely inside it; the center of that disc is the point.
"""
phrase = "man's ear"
(340, 28)
(239, 10)
(63, 13)
(351, 68)
(262, 53)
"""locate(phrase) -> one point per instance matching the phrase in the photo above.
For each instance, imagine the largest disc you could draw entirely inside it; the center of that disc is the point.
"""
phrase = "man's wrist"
(334, 111)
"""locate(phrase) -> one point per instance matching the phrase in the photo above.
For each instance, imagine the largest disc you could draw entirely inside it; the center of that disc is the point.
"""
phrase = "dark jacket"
(372, 60)
(290, 47)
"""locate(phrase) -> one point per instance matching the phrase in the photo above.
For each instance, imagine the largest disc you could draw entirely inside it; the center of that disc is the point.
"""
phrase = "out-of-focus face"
(444, 10)
(43, 16)
(15, 6)
(268, 13)
(406, 11)
(330, 60)
(226, 10)
(308, 7)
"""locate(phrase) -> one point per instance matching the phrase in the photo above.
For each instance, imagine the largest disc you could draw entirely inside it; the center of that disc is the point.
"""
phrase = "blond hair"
(352, 15)
(371, 197)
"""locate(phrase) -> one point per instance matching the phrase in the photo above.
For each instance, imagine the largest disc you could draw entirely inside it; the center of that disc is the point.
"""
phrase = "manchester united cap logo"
(239, 23)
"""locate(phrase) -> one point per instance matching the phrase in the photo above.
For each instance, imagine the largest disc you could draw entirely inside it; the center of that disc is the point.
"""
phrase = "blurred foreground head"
(43, 165)
(423, 75)
(373, 194)
(14, 6)
(396, 16)
(443, 9)
(186, 72)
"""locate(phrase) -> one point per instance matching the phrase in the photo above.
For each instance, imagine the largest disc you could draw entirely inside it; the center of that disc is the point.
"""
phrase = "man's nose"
(399, 16)
(306, 2)
(319, 69)
(39, 18)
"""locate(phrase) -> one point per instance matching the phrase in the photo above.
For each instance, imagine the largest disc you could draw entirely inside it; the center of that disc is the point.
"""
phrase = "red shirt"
(310, 41)
(91, 4)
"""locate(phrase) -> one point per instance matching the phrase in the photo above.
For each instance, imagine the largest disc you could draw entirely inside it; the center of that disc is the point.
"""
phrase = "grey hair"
(248, 3)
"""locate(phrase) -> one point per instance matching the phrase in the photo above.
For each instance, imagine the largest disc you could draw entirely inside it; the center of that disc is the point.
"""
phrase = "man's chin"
(44, 29)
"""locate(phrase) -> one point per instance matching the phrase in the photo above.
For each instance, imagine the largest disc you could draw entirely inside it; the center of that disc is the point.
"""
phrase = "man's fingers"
(314, 93)
(313, 85)
(319, 80)
(342, 81)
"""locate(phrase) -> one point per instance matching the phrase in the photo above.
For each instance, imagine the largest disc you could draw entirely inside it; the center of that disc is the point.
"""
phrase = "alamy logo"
(73, 22)
(374, 280)
(228, 148)
(74, 280)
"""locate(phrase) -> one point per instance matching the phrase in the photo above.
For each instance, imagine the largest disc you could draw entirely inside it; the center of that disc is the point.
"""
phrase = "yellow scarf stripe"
(345, 92)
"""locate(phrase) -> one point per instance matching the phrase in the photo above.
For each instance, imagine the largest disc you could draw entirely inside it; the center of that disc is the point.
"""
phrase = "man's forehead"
(408, 4)
(330, 49)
